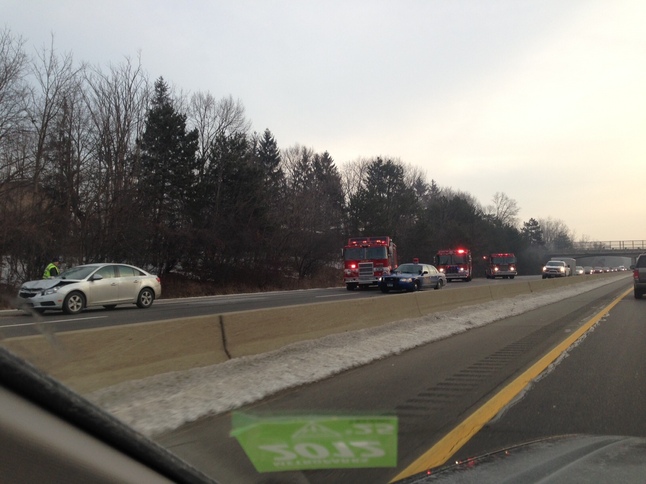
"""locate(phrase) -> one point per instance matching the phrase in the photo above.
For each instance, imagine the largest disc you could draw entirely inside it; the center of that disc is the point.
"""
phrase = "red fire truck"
(366, 260)
(455, 263)
(501, 265)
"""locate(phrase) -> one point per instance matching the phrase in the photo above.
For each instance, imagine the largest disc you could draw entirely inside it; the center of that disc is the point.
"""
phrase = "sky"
(164, 402)
(541, 100)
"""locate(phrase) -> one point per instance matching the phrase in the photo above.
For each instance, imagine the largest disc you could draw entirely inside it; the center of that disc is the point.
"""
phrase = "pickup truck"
(639, 276)
(555, 268)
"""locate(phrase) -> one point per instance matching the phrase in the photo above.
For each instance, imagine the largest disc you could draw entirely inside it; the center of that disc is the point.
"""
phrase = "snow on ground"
(164, 402)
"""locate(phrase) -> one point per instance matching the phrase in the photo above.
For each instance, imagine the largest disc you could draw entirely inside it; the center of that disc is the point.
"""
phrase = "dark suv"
(639, 276)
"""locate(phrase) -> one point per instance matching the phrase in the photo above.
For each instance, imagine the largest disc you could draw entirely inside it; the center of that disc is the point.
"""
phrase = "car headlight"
(51, 290)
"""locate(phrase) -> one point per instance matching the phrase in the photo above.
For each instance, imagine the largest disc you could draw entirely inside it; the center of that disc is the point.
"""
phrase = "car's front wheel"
(73, 303)
(439, 284)
(145, 298)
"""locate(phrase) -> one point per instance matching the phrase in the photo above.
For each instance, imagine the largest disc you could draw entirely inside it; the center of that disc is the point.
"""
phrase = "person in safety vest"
(52, 269)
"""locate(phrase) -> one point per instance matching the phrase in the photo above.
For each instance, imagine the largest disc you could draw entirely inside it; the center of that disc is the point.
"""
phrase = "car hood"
(42, 284)
(572, 458)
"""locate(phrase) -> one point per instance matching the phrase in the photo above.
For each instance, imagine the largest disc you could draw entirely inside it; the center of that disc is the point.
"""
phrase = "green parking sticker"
(316, 442)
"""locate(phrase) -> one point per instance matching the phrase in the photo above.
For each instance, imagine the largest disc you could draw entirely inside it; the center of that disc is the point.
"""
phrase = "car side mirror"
(96, 277)
(632, 267)
(425, 273)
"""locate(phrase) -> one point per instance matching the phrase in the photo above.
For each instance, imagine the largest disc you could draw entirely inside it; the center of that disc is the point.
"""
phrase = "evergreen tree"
(385, 204)
(533, 233)
(166, 177)
(314, 210)
(268, 156)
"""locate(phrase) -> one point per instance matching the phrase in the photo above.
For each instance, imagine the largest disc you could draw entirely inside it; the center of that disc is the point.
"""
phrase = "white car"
(92, 285)
(555, 268)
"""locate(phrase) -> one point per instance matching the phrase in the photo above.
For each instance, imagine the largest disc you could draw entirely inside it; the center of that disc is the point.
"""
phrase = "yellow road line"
(460, 435)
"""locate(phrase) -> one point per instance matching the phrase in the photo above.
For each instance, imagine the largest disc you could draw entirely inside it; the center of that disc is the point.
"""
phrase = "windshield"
(78, 273)
(452, 259)
(222, 158)
(366, 253)
(409, 269)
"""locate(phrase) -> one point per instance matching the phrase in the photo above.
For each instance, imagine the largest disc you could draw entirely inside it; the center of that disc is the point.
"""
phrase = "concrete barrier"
(90, 359)
(95, 358)
(259, 331)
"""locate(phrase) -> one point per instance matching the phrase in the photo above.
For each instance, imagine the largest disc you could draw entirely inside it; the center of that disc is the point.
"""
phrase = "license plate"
(390, 284)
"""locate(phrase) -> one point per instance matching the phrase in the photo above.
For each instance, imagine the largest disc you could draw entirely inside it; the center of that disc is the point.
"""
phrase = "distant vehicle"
(455, 263)
(598, 270)
(366, 260)
(639, 276)
(571, 263)
(501, 265)
(580, 270)
(555, 268)
(588, 269)
(413, 277)
(92, 285)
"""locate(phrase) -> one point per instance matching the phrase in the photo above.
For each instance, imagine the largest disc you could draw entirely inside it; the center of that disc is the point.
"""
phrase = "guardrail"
(611, 245)
(87, 360)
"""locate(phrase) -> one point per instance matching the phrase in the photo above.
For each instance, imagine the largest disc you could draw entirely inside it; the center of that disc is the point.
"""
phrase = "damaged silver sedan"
(92, 285)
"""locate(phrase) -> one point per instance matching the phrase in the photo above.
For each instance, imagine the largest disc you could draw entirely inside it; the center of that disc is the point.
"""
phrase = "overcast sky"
(542, 100)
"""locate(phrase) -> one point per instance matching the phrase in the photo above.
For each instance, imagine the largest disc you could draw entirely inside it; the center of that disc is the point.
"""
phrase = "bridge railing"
(612, 245)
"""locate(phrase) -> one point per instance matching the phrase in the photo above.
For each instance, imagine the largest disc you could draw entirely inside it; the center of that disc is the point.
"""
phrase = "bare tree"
(556, 234)
(213, 118)
(353, 176)
(503, 210)
(13, 89)
(14, 65)
(117, 100)
(55, 76)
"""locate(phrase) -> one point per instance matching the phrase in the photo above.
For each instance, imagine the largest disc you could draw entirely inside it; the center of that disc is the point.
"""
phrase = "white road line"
(212, 299)
(336, 295)
(51, 322)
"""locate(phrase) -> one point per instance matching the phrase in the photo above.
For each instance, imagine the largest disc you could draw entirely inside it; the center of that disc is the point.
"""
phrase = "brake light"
(636, 274)
(353, 266)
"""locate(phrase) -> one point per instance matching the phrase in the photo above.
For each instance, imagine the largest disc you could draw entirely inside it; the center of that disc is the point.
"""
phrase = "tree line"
(101, 164)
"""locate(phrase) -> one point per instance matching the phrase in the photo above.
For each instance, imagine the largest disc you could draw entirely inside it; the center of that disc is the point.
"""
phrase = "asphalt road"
(19, 323)
(600, 388)
(433, 388)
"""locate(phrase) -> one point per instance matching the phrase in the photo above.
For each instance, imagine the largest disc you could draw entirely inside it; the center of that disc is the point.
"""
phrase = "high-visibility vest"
(50, 271)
